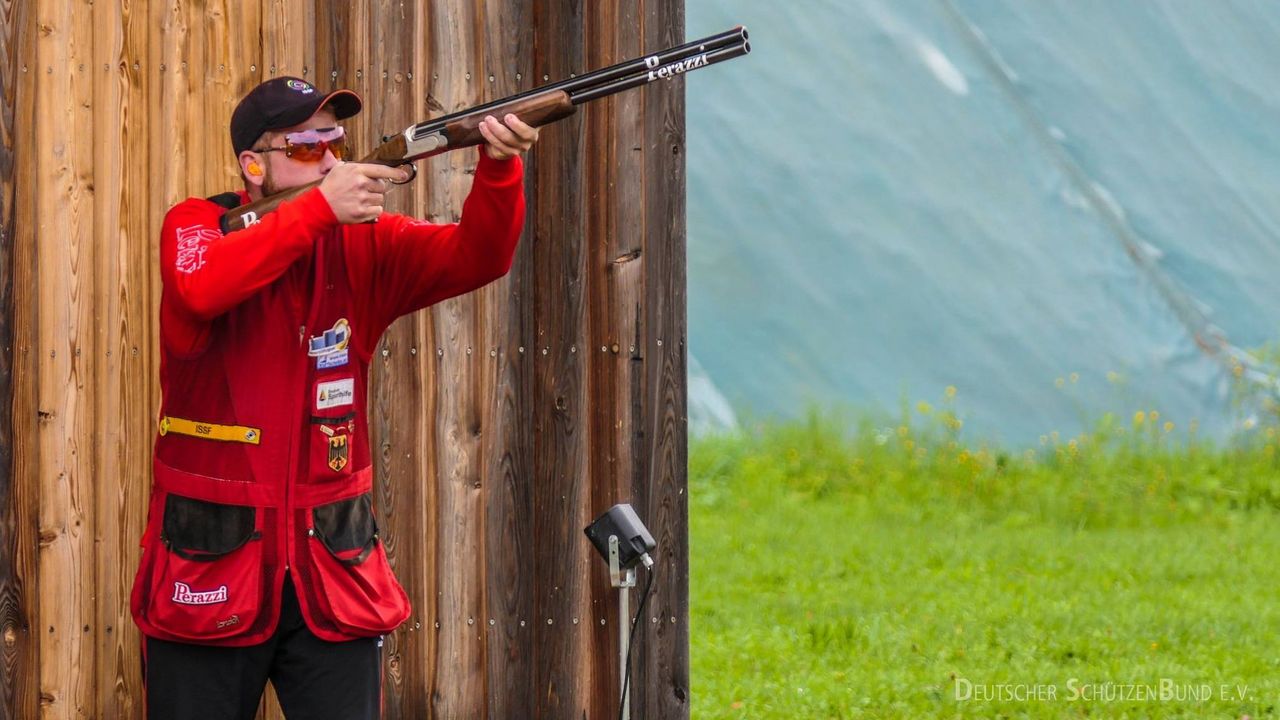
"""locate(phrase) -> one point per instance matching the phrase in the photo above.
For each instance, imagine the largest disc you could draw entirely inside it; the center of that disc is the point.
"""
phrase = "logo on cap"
(300, 86)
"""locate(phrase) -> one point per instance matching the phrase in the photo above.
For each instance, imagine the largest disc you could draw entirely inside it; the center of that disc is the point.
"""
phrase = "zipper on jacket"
(293, 456)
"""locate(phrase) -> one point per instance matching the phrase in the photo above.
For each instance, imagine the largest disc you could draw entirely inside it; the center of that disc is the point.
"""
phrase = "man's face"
(280, 172)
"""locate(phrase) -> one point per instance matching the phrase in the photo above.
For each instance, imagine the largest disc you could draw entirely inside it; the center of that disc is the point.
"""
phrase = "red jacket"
(262, 461)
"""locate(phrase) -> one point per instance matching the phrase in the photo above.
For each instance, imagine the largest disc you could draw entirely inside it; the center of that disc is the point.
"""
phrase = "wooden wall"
(502, 421)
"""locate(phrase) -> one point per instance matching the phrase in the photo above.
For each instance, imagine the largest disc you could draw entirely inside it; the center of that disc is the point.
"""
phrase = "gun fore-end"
(541, 109)
(464, 131)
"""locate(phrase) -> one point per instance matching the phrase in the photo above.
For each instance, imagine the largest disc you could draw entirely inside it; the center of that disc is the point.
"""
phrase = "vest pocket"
(208, 581)
(347, 528)
(361, 594)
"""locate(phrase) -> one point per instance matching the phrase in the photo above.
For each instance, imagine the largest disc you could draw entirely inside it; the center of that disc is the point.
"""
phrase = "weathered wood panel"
(122, 324)
(561, 659)
(65, 259)
(502, 421)
(662, 672)
(508, 449)
(18, 602)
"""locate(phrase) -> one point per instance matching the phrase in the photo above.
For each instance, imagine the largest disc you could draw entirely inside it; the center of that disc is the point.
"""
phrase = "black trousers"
(313, 678)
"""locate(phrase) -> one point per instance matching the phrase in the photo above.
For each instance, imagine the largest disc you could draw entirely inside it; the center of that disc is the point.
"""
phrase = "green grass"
(842, 572)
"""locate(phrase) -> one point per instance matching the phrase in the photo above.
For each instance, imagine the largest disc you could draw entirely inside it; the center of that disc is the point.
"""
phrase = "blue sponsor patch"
(331, 360)
(329, 348)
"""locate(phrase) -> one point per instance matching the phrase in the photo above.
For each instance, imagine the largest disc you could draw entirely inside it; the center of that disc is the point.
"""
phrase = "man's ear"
(252, 167)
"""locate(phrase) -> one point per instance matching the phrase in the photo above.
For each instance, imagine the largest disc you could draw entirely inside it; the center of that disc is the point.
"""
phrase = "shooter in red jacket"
(261, 558)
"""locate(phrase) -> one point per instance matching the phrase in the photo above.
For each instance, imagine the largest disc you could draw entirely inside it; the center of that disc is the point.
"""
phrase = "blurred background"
(1060, 209)
(982, 323)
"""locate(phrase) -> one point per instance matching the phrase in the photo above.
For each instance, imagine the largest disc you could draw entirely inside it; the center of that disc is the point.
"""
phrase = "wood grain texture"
(561, 681)
(65, 258)
(508, 446)
(662, 668)
(121, 324)
(18, 491)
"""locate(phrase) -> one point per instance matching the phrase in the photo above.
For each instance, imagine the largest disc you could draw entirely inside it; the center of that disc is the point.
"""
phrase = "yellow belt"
(210, 431)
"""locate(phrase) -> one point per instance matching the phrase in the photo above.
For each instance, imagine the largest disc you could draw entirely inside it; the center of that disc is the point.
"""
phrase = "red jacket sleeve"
(405, 264)
(206, 273)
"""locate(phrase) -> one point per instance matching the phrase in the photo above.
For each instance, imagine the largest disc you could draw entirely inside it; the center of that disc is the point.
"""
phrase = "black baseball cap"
(284, 102)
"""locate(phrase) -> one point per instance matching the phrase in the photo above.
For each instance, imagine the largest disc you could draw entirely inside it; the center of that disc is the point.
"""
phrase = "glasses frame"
(312, 152)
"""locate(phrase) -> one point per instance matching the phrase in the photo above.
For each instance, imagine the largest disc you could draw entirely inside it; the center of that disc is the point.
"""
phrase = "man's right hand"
(356, 191)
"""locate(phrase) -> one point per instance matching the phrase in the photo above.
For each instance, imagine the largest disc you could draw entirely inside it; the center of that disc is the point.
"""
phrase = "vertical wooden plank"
(121, 426)
(662, 672)
(18, 494)
(288, 38)
(331, 35)
(225, 58)
(65, 258)
(403, 397)
(561, 651)
(458, 687)
(615, 227)
(166, 112)
(508, 445)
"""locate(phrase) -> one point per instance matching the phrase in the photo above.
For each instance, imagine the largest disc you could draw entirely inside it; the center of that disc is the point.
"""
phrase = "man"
(260, 557)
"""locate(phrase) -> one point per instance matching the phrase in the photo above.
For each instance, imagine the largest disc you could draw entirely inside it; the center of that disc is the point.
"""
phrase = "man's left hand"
(507, 140)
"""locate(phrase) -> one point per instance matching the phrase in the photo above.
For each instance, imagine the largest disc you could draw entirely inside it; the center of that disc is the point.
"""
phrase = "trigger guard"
(413, 173)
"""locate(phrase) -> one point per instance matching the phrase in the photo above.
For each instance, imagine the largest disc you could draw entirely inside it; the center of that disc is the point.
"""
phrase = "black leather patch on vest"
(199, 530)
(346, 526)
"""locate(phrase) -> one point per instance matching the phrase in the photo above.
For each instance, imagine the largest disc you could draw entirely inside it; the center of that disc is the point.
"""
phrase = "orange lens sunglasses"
(309, 146)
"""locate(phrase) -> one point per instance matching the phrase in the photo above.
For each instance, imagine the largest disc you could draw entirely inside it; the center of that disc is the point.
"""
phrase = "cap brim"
(345, 103)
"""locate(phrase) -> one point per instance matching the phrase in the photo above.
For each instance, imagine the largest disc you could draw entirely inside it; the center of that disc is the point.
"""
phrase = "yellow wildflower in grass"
(924, 408)
(1139, 418)
(1168, 426)
(950, 392)
(1153, 416)
(1113, 377)
(902, 431)
(1059, 383)
(1075, 377)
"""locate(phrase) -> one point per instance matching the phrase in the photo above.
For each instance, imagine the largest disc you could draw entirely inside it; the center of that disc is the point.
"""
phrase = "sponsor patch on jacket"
(335, 393)
(329, 348)
(183, 594)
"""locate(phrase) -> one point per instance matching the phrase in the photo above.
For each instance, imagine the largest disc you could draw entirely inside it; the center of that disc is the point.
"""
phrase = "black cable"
(631, 644)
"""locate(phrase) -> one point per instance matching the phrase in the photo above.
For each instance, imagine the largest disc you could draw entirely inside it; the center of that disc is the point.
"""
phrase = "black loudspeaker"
(634, 541)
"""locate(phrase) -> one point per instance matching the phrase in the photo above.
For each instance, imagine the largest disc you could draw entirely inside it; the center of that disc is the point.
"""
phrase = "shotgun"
(537, 107)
